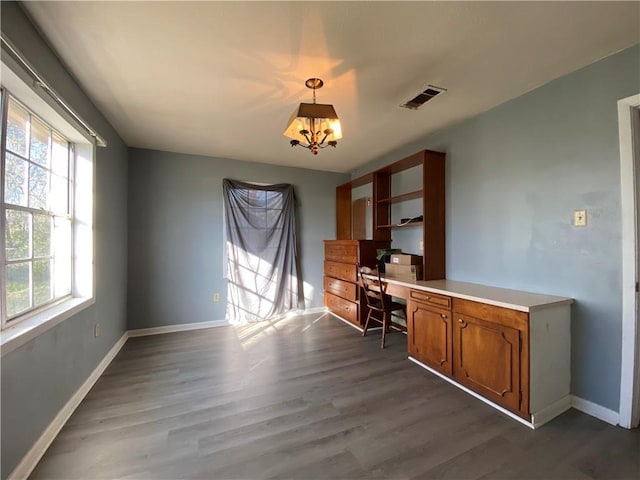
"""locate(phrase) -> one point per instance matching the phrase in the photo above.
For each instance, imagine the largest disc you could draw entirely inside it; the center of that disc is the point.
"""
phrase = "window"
(262, 266)
(47, 243)
(37, 162)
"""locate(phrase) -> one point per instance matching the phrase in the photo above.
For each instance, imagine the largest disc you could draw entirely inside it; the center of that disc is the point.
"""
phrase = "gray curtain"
(262, 271)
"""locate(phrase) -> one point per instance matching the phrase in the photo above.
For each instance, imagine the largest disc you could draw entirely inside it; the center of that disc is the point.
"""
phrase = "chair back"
(373, 289)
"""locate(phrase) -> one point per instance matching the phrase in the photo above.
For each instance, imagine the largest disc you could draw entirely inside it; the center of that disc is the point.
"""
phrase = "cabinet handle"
(443, 316)
(460, 320)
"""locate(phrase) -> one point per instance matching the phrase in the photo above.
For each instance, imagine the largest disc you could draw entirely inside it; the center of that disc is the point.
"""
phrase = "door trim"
(630, 369)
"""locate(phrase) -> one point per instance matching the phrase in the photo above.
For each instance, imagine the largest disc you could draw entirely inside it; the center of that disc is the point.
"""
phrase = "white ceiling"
(221, 78)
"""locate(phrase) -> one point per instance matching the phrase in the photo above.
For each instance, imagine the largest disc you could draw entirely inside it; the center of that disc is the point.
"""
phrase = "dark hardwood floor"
(308, 397)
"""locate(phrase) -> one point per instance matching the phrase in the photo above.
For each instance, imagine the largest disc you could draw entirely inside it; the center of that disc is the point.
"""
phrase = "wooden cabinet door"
(429, 336)
(487, 359)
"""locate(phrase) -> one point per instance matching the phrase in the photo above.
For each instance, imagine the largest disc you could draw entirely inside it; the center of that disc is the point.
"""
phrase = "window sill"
(15, 336)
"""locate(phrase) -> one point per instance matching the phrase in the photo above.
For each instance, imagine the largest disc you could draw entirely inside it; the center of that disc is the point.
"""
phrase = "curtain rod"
(40, 82)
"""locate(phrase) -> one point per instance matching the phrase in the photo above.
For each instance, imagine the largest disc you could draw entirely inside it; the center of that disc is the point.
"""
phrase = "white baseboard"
(595, 410)
(543, 416)
(143, 332)
(31, 459)
(347, 322)
(360, 329)
(472, 393)
(550, 412)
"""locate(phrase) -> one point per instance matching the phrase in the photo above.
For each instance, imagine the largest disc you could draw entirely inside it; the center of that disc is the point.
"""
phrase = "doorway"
(629, 130)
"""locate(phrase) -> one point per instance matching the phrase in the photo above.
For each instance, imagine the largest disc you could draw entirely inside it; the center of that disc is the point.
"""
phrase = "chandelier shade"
(314, 125)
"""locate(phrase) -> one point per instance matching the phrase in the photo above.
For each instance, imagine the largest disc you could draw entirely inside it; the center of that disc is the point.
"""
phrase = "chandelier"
(313, 124)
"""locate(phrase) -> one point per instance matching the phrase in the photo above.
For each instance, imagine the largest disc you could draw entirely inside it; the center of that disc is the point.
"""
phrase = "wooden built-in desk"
(512, 349)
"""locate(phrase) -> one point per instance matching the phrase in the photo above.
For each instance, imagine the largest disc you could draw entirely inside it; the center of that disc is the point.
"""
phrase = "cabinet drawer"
(341, 307)
(343, 271)
(431, 298)
(341, 288)
(491, 313)
(341, 253)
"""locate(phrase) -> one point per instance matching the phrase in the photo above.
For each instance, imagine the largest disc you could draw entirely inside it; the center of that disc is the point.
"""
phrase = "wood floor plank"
(342, 465)
(308, 397)
(473, 463)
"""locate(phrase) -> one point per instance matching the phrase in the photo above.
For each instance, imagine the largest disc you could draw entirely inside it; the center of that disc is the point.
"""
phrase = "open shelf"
(402, 198)
(431, 198)
(400, 225)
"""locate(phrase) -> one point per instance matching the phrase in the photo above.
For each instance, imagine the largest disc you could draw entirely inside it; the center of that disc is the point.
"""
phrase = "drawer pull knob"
(442, 315)
(460, 320)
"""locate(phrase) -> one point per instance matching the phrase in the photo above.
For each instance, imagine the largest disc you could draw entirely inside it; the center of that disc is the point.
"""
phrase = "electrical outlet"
(96, 330)
(216, 297)
(579, 218)
(421, 246)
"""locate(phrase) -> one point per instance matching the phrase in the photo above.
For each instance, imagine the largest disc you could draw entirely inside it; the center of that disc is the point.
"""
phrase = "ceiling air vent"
(423, 97)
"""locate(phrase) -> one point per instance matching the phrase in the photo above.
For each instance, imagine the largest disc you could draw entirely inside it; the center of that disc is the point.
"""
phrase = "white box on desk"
(406, 259)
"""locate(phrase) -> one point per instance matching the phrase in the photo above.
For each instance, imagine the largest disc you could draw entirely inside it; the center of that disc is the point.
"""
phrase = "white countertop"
(500, 297)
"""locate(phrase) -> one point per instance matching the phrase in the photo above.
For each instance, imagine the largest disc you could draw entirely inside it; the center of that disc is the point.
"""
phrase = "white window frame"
(23, 328)
(6, 320)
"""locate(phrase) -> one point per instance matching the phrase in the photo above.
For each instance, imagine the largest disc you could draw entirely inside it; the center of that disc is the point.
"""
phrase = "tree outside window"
(37, 166)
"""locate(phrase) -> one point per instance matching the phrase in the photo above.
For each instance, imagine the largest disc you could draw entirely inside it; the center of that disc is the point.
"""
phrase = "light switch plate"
(579, 218)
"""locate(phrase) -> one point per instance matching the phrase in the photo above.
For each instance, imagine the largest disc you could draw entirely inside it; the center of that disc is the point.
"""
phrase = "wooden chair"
(379, 302)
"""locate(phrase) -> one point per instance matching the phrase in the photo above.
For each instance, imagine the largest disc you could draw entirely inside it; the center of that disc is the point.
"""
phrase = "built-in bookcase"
(432, 193)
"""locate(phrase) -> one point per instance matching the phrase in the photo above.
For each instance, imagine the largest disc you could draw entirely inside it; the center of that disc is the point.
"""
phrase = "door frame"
(629, 188)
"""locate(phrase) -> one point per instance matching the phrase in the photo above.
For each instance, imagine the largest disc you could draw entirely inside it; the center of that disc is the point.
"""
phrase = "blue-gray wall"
(176, 237)
(40, 377)
(514, 176)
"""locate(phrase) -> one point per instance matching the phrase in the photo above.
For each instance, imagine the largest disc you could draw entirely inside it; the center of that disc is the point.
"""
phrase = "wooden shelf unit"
(433, 206)
(401, 225)
(402, 198)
